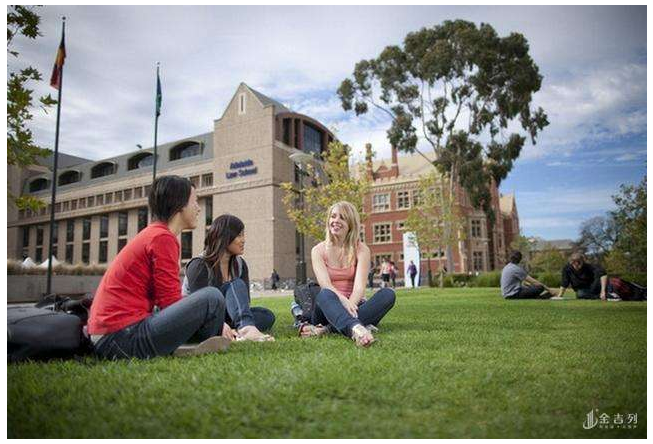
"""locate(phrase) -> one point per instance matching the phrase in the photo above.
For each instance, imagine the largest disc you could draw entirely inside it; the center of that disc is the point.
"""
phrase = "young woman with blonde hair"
(341, 264)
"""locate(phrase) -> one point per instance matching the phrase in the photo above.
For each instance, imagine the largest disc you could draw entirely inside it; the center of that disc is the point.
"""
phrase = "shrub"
(549, 279)
(15, 267)
(488, 279)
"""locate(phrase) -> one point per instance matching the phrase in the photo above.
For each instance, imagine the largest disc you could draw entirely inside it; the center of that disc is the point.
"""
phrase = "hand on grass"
(227, 332)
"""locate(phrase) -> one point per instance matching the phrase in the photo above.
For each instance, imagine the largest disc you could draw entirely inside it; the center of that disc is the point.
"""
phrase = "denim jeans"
(330, 311)
(239, 313)
(200, 315)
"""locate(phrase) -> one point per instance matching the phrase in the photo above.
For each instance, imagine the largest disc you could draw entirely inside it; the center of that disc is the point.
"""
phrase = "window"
(55, 232)
(73, 204)
(86, 228)
(82, 202)
(117, 196)
(208, 210)
(184, 150)
(403, 199)
(380, 202)
(477, 261)
(138, 192)
(38, 185)
(103, 252)
(127, 194)
(69, 253)
(39, 235)
(39, 254)
(417, 197)
(241, 103)
(70, 230)
(140, 160)
(90, 201)
(187, 245)
(108, 198)
(69, 177)
(57, 207)
(146, 190)
(122, 223)
(104, 226)
(312, 140)
(99, 199)
(25, 236)
(86, 252)
(55, 250)
(378, 258)
(400, 225)
(195, 180)
(476, 228)
(66, 206)
(207, 180)
(382, 233)
(103, 169)
(142, 218)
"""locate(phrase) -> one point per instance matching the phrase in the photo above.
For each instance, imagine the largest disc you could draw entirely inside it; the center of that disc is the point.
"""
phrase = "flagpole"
(156, 121)
(54, 172)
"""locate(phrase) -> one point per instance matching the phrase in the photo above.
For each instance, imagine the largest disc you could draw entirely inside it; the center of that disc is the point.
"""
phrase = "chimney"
(394, 168)
(368, 161)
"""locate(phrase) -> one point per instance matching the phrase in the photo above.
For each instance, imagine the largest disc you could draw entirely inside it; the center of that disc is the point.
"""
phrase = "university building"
(394, 190)
(237, 168)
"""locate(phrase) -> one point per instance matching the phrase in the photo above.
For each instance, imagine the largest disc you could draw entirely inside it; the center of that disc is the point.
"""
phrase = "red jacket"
(144, 274)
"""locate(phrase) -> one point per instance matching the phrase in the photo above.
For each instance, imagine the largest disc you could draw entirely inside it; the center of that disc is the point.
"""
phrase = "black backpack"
(53, 328)
(305, 296)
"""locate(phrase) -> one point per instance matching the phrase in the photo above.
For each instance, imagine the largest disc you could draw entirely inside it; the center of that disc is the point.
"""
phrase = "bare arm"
(531, 280)
(363, 267)
(562, 291)
(604, 284)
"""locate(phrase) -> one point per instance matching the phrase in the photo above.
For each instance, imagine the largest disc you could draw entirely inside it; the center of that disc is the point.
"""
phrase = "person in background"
(588, 281)
(222, 267)
(412, 272)
(393, 274)
(370, 275)
(385, 273)
(275, 279)
(138, 310)
(340, 264)
(513, 276)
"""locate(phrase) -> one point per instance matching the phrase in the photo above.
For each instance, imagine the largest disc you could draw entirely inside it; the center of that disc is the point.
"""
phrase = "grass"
(448, 364)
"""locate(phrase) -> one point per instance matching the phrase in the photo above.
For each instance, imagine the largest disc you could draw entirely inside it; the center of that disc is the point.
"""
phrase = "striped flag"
(55, 79)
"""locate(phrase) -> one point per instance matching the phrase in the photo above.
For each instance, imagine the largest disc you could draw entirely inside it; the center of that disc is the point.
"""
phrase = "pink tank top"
(342, 278)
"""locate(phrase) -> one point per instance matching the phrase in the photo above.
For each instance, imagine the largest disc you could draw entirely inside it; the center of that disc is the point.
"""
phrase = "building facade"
(394, 190)
(237, 168)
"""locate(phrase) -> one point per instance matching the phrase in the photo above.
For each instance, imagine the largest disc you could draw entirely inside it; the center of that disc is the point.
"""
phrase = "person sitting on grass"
(341, 263)
(138, 310)
(588, 281)
(513, 276)
(222, 267)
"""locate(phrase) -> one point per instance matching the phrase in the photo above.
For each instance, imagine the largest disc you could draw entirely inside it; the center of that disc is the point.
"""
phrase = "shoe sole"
(215, 344)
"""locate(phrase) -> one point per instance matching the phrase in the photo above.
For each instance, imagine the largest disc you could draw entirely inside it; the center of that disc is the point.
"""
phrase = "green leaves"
(425, 86)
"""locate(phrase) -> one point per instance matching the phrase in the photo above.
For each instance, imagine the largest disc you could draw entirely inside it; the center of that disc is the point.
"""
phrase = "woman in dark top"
(221, 266)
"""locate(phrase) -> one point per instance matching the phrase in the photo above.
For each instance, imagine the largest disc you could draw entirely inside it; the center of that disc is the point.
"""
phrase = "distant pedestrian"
(412, 272)
(370, 275)
(393, 274)
(275, 279)
(385, 273)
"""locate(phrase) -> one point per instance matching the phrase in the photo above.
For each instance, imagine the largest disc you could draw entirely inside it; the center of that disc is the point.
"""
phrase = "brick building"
(394, 185)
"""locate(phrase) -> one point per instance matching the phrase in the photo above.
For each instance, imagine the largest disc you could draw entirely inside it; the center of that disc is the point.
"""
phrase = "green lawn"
(448, 364)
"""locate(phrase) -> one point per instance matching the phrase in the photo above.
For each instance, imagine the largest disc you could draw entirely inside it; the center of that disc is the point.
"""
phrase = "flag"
(55, 79)
(159, 97)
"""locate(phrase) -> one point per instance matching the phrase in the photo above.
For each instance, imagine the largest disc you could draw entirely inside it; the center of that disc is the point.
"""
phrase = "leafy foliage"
(523, 245)
(443, 76)
(22, 151)
(597, 236)
(324, 190)
(548, 261)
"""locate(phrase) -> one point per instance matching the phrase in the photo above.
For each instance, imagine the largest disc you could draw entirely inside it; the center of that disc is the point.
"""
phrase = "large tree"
(463, 89)
(320, 191)
(597, 236)
(22, 151)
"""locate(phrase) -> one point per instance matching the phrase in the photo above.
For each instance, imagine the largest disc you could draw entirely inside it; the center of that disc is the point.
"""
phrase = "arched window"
(38, 185)
(69, 177)
(185, 149)
(103, 169)
(140, 160)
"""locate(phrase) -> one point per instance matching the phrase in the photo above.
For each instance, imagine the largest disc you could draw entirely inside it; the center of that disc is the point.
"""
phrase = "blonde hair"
(352, 237)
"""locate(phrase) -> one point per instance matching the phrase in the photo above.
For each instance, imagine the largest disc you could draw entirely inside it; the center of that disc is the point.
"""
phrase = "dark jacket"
(197, 274)
(583, 278)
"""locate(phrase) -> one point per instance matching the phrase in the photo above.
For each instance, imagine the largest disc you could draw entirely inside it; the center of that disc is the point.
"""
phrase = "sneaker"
(214, 344)
(556, 298)
(613, 297)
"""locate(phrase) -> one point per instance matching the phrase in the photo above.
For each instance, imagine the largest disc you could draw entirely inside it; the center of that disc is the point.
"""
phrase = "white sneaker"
(556, 298)
(214, 344)
(613, 297)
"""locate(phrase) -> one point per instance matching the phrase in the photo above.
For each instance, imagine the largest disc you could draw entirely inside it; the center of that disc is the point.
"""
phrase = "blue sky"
(593, 60)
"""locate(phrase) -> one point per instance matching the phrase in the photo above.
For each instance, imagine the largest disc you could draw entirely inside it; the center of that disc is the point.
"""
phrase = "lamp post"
(301, 160)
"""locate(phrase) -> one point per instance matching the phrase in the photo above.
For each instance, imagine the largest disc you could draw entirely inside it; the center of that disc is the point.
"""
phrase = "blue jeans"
(200, 315)
(239, 313)
(329, 310)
